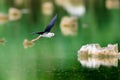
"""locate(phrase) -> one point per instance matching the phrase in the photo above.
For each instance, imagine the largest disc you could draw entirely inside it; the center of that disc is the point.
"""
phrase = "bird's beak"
(53, 35)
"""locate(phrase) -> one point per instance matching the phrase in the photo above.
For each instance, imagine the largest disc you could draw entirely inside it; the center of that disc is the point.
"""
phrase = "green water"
(56, 58)
(49, 59)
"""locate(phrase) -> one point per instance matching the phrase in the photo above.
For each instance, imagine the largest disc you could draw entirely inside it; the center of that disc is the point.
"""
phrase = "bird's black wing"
(51, 24)
(37, 33)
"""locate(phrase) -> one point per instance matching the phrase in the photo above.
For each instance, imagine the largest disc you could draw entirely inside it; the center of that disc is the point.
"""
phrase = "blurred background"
(79, 22)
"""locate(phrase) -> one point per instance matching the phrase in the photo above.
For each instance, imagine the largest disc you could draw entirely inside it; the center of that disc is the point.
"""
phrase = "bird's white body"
(48, 35)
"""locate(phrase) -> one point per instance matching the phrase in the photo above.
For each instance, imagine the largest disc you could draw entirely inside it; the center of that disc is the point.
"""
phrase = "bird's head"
(51, 34)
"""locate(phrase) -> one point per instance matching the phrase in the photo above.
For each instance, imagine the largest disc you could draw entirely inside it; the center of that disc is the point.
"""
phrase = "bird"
(46, 32)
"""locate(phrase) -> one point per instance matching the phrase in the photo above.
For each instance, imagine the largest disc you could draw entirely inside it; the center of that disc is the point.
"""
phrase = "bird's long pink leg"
(36, 38)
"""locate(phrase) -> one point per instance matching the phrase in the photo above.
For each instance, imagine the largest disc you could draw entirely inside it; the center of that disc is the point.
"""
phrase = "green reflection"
(56, 58)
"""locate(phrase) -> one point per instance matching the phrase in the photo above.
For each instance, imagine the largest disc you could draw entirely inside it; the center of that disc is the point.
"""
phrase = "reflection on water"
(94, 56)
(14, 14)
(47, 8)
(96, 62)
(2, 41)
(3, 18)
(69, 26)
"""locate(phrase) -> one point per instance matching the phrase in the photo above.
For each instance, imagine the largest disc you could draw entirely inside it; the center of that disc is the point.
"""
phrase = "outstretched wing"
(51, 24)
